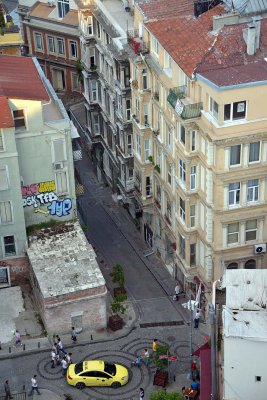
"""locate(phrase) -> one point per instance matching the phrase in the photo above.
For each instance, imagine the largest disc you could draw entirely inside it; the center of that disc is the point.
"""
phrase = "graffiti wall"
(43, 194)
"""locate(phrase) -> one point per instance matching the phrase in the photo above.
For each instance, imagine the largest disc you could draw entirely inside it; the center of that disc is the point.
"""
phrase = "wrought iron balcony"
(182, 104)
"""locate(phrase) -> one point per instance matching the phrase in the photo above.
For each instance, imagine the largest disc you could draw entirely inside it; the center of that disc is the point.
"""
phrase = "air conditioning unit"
(260, 248)
(58, 165)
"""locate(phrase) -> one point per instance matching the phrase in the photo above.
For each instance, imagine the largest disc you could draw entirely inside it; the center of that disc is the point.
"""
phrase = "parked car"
(97, 373)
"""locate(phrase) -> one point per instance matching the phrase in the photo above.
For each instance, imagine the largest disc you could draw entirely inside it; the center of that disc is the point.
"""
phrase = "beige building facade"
(200, 140)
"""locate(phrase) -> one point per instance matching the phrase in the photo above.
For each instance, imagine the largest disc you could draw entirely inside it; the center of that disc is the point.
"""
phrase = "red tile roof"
(186, 39)
(19, 79)
(6, 119)
(166, 8)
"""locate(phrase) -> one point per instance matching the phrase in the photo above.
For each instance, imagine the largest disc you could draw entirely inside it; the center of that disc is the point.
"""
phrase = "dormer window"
(63, 8)
(235, 111)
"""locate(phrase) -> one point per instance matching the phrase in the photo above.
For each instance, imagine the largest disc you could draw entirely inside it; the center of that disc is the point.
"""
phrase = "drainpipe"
(213, 352)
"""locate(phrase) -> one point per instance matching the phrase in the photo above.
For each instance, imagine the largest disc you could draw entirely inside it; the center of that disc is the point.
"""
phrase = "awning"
(205, 374)
(74, 133)
(204, 346)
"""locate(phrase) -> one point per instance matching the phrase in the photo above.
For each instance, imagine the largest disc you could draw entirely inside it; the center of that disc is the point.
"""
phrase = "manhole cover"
(171, 338)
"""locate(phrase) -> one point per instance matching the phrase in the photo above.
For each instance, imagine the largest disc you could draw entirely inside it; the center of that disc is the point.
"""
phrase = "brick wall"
(18, 269)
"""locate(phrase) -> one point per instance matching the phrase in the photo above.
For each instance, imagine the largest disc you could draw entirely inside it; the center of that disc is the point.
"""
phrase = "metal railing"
(186, 111)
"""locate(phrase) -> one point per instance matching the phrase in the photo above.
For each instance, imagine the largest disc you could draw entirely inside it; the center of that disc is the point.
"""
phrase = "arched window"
(250, 264)
(233, 265)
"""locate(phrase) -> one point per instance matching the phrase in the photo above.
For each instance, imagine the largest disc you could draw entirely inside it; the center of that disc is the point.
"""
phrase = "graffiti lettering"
(42, 198)
(60, 208)
(29, 189)
(41, 187)
(48, 186)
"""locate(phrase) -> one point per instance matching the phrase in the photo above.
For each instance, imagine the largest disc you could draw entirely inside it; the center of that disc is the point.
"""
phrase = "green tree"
(117, 275)
(161, 350)
(162, 395)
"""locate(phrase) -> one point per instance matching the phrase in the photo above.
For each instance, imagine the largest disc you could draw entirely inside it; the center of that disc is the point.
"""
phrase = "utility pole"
(213, 351)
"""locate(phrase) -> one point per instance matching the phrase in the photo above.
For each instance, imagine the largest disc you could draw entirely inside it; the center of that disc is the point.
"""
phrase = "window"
(250, 264)
(129, 145)
(167, 60)
(75, 82)
(182, 170)
(4, 276)
(90, 25)
(147, 149)
(63, 8)
(233, 233)
(214, 108)
(60, 46)
(253, 190)
(96, 123)
(193, 140)
(73, 49)
(170, 174)
(234, 194)
(1, 142)
(138, 180)
(158, 194)
(38, 41)
(192, 215)
(3, 179)
(94, 90)
(155, 46)
(148, 186)
(254, 152)
(182, 247)
(235, 155)
(146, 116)
(193, 177)
(182, 209)
(233, 265)
(169, 209)
(193, 254)
(59, 153)
(92, 56)
(127, 76)
(137, 109)
(145, 79)
(5, 212)
(51, 44)
(120, 105)
(61, 182)
(19, 120)
(251, 230)
(235, 111)
(169, 137)
(138, 145)
(182, 134)
(128, 109)
(9, 246)
(98, 28)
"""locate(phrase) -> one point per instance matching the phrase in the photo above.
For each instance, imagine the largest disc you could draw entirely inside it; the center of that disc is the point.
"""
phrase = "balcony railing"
(178, 100)
(136, 43)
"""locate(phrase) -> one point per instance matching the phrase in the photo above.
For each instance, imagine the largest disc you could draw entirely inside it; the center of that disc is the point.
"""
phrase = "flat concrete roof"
(63, 261)
(116, 10)
(245, 324)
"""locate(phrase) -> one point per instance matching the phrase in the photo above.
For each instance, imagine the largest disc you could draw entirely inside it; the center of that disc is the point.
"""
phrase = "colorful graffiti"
(39, 194)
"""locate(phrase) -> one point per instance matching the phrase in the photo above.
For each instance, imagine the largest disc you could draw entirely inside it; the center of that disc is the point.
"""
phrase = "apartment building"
(200, 137)
(50, 33)
(107, 92)
(36, 161)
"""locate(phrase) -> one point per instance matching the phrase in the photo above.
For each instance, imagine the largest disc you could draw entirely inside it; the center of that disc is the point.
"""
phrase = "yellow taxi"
(97, 373)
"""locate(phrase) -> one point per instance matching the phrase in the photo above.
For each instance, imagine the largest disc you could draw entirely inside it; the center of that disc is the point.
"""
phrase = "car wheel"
(116, 385)
(80, 385)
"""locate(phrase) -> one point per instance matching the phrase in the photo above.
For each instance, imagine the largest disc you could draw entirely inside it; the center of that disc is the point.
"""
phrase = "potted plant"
(157, 168)
(115, 321)
(150, 158)
(93, 67)
(162, 395)
(161, 375)
(117, 275)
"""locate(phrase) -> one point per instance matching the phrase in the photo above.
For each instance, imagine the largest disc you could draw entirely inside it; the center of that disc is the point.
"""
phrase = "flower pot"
(119, 290)
(115, 322)
(160, 378)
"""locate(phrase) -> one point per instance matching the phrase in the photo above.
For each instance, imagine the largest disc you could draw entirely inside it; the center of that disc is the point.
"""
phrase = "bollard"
(91, 337)
(23, 346)
(0, 346)
(39, 345)
(9, 349)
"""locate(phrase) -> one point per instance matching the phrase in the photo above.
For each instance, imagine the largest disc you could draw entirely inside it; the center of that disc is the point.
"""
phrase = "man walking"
(64, 366)
(177, 291)
(7, 391)
(196, 319)
(146, 357)
(141, 393)
(17, 338)
(60, 347)
(34, 385)
(73, 335)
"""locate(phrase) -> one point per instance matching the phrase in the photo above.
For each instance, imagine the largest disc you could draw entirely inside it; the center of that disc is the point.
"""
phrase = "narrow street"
(116, 240)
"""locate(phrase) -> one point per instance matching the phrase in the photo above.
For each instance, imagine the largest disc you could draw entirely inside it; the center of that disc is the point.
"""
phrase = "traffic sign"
(173, 358)
(163, 357)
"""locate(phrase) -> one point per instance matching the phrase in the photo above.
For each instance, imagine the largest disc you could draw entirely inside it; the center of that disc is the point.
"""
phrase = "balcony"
(182, 104)
(136, 43)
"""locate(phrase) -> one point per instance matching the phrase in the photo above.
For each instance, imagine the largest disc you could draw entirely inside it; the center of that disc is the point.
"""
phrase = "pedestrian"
(53, 358)
(177, 291)
(64, 365)
(34, 385)
(7, 391)
(68, 358)
(73, 335)
(17, 338)
(146, 357)
(141, 393)
(60, 347)
(154, 345)
(196, 319)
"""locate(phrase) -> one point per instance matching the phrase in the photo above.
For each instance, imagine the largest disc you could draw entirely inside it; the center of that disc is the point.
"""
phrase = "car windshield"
(110, 369)
(78, 368)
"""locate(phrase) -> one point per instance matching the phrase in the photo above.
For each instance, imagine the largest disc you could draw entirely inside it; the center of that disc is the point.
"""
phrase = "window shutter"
(61, 182)
(5, 212)
(58, 151)
(3, 179)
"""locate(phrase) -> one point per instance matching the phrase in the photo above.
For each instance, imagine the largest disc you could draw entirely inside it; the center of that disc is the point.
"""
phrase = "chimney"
(249, 35)
(257, 23)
